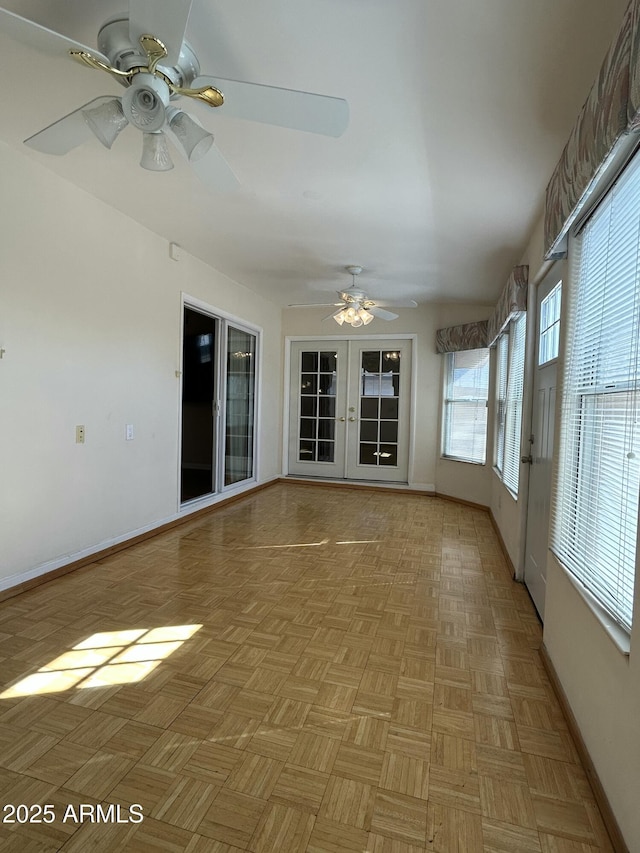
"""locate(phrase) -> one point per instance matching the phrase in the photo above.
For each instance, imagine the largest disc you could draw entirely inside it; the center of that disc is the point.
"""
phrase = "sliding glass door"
(218, 404)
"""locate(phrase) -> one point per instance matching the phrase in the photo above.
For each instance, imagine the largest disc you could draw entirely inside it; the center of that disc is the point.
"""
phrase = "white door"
(349, 409)
(542, 436)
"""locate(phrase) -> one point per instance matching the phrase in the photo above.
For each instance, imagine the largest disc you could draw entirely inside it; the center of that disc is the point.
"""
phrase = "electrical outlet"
(80, 434)
(129, 432)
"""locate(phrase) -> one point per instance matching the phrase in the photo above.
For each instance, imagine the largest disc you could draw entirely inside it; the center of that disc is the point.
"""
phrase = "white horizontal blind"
(594, 526)
(465, 405)
(501, 397)
(513, 416)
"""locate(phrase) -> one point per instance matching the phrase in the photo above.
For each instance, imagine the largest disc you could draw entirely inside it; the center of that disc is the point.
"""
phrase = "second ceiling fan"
(355, 307)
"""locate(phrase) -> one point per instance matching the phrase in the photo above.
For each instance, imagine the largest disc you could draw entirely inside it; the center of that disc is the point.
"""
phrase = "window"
(549, 341)
(465, 405)
(594, 526)
(509, 390)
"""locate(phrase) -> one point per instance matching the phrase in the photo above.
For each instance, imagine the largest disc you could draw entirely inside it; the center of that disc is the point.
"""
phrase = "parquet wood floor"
(309, 669)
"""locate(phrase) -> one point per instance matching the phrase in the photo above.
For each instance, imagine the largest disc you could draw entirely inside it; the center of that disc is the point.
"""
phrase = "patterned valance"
(611, 112)
(513, 300)
(458, 338)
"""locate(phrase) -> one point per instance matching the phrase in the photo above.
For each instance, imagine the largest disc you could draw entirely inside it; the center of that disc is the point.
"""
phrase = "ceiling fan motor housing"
(115, 44)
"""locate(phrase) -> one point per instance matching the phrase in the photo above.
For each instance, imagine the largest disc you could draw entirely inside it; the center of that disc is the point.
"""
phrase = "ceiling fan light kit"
(353, 316)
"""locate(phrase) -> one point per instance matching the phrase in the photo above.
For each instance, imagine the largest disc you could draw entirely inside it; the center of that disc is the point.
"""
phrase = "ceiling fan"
(355, 308)
(147, 53)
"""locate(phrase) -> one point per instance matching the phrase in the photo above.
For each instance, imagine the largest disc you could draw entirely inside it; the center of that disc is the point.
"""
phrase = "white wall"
(457, 479)
(603, 689)
(90, 321)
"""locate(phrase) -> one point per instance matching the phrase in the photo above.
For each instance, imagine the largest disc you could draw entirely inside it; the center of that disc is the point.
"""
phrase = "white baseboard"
(85, 554)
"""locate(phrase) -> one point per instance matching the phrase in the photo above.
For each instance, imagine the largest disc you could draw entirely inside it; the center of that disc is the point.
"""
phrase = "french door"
(350, 409)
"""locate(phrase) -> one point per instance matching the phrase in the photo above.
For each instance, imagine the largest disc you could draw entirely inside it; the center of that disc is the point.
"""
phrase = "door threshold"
(381, 485)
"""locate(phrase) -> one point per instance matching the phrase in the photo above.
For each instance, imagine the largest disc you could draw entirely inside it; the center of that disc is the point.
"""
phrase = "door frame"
(374, 339)
(536, 524)
(531, 357)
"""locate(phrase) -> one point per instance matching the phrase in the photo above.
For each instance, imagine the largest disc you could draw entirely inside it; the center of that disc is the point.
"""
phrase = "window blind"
(465, 405)
(594, 522)
(513, 415)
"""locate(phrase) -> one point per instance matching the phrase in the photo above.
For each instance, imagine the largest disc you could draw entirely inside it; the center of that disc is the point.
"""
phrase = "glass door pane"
(199, 356)
(378, 404)
(239, 420)
(318, 388)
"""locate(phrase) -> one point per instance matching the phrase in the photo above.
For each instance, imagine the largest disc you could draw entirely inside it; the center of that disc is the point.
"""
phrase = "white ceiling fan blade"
(67, 133)
(316, 305)
(282, 107)
(382, 314)
(398, 303)
(214, 171)
(41, 38)
(164, 19)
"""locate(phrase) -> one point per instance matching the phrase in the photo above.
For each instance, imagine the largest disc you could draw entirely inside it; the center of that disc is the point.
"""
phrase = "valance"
(610, 113)
(513, 300)
(458, 338)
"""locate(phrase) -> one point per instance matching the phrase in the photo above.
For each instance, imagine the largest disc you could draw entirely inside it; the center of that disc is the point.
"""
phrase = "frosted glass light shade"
(195, 140)
(155, 152)
(106, 121)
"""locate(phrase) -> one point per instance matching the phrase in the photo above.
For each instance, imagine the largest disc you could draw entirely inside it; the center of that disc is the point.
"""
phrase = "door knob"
(351, 419)
(341, 419)
(528, 460)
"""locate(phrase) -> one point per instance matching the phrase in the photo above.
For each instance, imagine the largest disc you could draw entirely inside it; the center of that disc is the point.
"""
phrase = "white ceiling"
(459, 110)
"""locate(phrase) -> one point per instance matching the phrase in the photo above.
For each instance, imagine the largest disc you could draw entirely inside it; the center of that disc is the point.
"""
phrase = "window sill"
(616, 633)
(460, 459)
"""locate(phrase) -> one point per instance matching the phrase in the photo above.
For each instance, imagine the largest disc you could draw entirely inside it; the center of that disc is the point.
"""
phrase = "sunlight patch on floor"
(105, 659)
